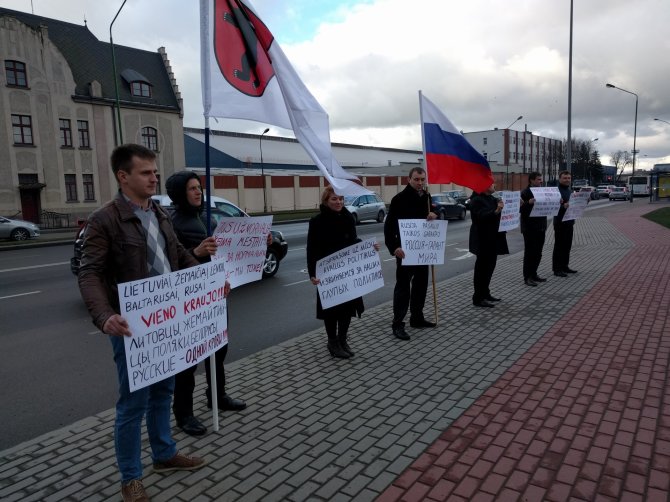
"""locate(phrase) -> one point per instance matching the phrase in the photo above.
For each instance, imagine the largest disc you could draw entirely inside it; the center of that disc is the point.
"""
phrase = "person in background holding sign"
(185, 190)
(329, 231)
(563, 230)
(413, 202)
(486, 243)
(534, 230)
(127, 239)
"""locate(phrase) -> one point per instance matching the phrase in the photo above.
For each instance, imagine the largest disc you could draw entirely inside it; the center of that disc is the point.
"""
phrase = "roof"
(90, 59)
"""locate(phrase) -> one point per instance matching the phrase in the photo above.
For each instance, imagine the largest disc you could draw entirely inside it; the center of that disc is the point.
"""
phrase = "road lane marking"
(294, 283)
(35, 266)
(20, 294)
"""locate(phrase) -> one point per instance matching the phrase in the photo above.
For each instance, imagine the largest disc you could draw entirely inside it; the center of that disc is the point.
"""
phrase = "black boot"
(336, 350)
(345, 345)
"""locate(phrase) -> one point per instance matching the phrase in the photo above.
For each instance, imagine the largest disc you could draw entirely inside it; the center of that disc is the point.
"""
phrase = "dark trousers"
(184, 384)
(562, 246)
(411, 283)
(533, 243)
(337, 328)
(484, 267)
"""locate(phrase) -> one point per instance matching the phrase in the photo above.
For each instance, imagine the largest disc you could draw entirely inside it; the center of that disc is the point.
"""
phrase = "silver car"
(365, 207)
(17, 230)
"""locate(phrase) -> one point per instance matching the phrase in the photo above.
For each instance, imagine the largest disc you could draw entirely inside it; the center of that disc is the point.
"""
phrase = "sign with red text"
(177, 320)
(577, 205)
(349, 273)
(242, 245)
(547, 201)
(509, 217)
(423, 241)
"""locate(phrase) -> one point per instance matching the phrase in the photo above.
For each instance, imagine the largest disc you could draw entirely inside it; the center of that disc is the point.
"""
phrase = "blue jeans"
(153, 401)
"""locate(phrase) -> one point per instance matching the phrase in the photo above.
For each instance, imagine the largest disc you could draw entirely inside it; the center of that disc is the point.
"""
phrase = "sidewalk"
(560, 392)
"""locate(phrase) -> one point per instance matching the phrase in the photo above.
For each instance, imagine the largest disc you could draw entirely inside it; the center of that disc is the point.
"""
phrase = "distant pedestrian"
(563, 230)
(533, 229)
(127, 239)
(190, 225)
(486, 243)
(329, 231)
(413, 202)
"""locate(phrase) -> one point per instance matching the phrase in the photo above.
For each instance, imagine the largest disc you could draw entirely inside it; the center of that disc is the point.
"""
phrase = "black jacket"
(405, 205)
(528, 223)
(566, 192)
(484, 235)
(189, 223)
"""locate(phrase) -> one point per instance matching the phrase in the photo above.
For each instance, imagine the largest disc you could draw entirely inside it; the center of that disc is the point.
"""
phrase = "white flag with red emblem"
(246, 75)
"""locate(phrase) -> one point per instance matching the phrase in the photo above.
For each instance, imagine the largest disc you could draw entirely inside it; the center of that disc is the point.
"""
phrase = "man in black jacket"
(534, 230)
(563, 230)
(413, 202)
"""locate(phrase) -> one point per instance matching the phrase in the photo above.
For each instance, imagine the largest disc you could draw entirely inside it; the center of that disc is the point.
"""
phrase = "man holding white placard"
(563, 230)
(533, 229)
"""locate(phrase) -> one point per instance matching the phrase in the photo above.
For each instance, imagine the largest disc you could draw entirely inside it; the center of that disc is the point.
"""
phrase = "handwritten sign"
(176, 319)
(547, 201)
(242, 245)
(349, 273)
(578, 202)
(509, 217)
(423, 241)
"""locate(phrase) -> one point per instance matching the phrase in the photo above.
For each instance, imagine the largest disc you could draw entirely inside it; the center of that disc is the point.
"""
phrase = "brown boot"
(134, 492)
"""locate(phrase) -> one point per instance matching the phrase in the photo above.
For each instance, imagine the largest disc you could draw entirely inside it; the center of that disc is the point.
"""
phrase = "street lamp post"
(116, 78)
(634, 131)
(661, 120)
(260, 147)
(514, 122)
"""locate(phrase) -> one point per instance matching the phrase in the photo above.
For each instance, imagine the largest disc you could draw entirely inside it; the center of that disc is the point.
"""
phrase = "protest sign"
(176, 319)
(576, 206)
(349, 273)
(509, 217)
(242, 245)
(423, 241)
(547, 201)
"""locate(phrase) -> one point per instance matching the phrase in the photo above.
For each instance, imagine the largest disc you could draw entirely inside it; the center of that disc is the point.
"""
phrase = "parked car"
(18, 230)
(221, 208)
(594, 193)
(604, 190)
(619, 193)
(458, 195)
(447, 208)
(365, 207)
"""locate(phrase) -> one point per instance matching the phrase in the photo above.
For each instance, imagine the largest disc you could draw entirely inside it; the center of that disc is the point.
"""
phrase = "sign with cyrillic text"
(509, 217)
(177, 320)
(577, 205)
(349, 273)
(242, 245)
(547, 201)
(423, 241)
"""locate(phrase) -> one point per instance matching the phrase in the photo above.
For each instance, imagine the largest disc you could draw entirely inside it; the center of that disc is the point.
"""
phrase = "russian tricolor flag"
(449, 156)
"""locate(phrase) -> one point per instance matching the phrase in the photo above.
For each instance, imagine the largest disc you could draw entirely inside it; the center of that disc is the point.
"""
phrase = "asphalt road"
(57, 367)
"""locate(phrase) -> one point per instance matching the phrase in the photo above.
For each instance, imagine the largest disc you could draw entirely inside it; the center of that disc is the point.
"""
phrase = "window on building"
(141, 89)
(150, 138)
(22, 127)
(65, 132)
(485, 141)
(158, 185)
(71, 187)
(16, 73)
(84, 136)
(89, 188)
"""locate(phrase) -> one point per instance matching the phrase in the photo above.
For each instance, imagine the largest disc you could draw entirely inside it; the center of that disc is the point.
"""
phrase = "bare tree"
(621, 160)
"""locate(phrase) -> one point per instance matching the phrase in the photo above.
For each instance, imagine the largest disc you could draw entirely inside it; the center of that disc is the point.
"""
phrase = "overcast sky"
(483, 62)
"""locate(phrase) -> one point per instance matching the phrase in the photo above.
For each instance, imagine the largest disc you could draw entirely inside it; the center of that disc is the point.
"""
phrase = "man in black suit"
(563, 230)
(534, 229)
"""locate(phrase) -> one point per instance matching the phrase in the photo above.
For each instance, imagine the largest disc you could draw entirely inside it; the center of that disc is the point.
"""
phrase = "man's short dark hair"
(419, 170)
(122, 156)
(564, 172)
(533, 176)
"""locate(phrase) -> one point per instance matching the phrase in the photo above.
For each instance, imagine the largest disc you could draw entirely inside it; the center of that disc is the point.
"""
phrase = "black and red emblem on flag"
(241, 44)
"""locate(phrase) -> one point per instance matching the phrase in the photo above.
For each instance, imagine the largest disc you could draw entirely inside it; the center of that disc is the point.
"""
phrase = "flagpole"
(425, 163)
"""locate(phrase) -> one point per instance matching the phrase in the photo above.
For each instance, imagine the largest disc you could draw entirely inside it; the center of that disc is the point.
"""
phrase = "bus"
(639, 185)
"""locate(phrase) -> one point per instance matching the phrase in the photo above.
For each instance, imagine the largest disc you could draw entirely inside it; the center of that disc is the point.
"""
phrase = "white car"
(18, 230)
(604, 190)
(619, 193)
(365, 207)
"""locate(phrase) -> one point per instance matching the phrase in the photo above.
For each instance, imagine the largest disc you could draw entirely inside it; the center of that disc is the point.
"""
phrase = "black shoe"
(337, 351)
(227, 403)
(422, 324)
(192, 426)
(345, 347)
(492, 299)
(400, 333)
(483, 303)
(537, 278)
(560, 274)
(529, 282)
(568, 270)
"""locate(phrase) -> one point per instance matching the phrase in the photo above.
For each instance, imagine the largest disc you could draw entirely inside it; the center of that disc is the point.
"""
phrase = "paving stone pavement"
(376, 426)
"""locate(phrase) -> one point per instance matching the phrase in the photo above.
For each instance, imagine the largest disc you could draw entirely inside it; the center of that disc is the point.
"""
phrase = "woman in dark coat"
(486, 243)
(329, 231)
(191, 228)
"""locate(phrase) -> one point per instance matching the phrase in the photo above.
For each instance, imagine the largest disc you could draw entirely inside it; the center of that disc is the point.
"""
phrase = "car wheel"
(271, 264)
(462, 215)
(355, 216)
(19, 234)
(442, 215)
(380, 216)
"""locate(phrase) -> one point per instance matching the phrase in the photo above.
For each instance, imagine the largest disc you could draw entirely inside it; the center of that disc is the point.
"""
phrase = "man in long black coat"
(534, 229)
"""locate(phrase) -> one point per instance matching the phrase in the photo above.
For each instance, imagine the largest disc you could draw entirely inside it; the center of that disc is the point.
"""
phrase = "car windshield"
(349, 200)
